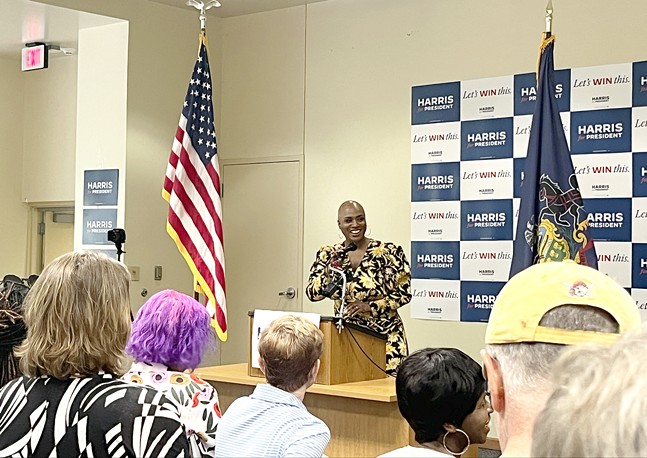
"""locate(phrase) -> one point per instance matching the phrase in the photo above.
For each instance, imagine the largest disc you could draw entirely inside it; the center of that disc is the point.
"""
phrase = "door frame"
(34, 251)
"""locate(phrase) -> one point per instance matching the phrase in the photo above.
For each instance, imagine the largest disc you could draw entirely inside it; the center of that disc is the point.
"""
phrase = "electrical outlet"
(134, 273)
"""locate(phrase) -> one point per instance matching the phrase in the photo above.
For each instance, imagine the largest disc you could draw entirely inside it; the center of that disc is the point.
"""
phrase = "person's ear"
(449, 427)
(494, 377)
(315, 370)
(261, 365)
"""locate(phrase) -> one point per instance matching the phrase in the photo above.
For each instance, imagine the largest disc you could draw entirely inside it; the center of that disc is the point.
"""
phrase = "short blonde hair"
(78, 318)
(289, 347)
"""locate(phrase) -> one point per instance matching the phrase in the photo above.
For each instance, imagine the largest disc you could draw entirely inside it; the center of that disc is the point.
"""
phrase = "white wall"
(350, 118)
(361, 59)
(263, 67)
(363, 56)
(13, 223)
(101, 113)
(162, 48)
(50, 131)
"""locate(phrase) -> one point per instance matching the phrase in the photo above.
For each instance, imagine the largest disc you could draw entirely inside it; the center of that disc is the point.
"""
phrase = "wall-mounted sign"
(34, 57)
(100, 187)
(96, 224)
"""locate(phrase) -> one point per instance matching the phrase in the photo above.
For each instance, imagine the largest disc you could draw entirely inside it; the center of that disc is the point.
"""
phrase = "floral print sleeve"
(196, 399)
(392, 275)
(319, 274)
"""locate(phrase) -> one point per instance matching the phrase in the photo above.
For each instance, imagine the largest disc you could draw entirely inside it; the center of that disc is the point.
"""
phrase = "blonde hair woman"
(70, 402)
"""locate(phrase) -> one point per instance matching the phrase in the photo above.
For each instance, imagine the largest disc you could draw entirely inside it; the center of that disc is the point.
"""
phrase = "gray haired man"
(538, 312)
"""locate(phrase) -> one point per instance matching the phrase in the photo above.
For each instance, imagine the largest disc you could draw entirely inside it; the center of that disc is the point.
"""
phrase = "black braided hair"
(12, 327)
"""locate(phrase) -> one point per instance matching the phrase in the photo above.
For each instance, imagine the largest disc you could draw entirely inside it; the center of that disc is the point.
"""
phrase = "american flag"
(192, 189)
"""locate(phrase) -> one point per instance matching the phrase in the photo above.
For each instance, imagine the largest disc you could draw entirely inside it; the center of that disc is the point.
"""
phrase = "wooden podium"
(362, 414)
(342, 360)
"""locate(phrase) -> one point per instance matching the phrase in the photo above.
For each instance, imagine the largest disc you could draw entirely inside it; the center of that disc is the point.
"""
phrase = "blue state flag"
(552, 224)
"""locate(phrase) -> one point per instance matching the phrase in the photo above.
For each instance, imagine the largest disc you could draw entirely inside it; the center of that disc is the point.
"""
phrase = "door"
(51, 235)
(262, 221)
(58, 236)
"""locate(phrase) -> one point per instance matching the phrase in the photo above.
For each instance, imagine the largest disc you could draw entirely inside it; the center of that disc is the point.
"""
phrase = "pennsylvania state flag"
(552, 224)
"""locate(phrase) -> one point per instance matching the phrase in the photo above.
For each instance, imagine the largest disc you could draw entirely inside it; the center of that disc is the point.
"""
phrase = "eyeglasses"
(488, 397)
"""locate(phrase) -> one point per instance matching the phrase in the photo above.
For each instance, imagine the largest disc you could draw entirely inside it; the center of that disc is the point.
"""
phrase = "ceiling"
(25, 21)
(239, 7)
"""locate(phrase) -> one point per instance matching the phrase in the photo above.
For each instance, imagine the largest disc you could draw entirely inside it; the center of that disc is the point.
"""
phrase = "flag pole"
(549, 19)
(202, 7)
(192, 186)
(547, 36)
(545, 231)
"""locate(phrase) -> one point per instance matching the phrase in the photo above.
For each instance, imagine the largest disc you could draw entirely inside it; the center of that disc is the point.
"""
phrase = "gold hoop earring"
(462, 451)
(368, 231)
(340, 235)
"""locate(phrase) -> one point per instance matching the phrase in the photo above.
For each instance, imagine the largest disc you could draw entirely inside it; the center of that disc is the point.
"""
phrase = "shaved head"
(349, 204)
(352, 222)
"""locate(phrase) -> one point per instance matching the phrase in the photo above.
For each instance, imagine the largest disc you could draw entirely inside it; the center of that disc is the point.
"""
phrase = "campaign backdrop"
(469, 140)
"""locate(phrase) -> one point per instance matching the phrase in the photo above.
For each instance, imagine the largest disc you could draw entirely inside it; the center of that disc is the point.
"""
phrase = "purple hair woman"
(169, 337)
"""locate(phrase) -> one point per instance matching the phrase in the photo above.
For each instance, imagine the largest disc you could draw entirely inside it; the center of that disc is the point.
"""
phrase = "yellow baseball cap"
(530, 294)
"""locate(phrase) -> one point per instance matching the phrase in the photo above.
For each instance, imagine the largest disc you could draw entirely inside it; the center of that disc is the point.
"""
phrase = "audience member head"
(78, 318)
(289, 350)
(172, 329)
(537, 313)
(598, 405)
(12, 327)
(442, 395)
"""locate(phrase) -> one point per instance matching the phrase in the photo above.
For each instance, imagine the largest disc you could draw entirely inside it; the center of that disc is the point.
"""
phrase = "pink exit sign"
(34, 57)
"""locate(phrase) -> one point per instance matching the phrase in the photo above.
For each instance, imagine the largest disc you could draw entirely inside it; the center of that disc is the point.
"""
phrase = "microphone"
(335, 264)
(346, 249)
(336, 259)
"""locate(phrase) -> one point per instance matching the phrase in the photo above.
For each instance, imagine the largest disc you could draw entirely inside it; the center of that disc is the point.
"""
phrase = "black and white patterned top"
(97, 416)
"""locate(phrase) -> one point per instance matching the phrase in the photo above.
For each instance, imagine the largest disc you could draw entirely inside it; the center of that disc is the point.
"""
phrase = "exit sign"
(34, 57)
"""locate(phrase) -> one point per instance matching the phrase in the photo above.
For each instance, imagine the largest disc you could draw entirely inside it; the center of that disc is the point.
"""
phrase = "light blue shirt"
(270, 422)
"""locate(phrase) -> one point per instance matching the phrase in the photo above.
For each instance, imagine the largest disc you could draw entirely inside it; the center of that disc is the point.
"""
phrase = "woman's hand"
(355, 308)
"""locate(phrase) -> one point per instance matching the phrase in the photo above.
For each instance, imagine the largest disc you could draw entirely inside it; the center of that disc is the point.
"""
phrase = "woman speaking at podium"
(378, 281)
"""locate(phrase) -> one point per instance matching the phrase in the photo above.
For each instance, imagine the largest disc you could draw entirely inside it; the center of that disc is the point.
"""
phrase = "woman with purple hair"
(169, 337)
